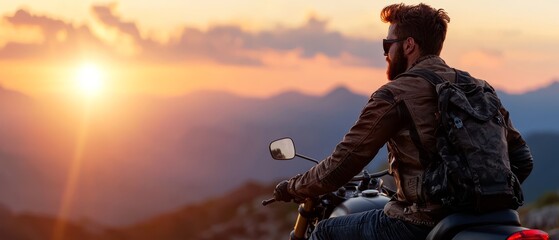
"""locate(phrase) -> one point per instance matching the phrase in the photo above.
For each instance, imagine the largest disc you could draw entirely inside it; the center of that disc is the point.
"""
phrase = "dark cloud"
(313, 38)
(48, 25)
(224, 44)
(106, 15)
(228, 43)
(193, 44)
(73, 42)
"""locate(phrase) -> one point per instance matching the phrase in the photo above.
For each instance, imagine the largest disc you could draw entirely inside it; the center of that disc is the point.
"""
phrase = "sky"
(255, 48)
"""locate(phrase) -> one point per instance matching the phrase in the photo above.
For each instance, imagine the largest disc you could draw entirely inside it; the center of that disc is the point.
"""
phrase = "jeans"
(370, 225)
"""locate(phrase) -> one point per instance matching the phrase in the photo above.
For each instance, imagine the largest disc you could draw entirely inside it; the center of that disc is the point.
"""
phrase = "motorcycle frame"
(302, 223)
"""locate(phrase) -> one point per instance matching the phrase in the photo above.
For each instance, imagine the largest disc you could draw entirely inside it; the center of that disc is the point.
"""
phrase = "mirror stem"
(306, 158)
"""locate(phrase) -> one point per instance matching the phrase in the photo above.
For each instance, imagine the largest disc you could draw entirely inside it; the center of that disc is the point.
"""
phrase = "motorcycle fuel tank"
(369, 200)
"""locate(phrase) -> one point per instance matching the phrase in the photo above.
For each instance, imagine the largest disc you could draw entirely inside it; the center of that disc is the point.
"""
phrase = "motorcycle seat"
(454, 223)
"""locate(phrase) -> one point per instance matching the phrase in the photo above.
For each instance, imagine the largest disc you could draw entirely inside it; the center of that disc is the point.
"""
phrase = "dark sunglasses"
(387, 43)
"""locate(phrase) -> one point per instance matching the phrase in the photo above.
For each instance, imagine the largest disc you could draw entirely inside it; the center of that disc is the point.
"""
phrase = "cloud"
(313, 38)
(49, 25)
(59, 39)
(107, 16)
(225, 44)
(231, 43)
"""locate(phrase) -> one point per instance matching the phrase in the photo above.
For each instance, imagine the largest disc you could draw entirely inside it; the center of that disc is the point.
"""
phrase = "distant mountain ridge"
(544, 177)
(534, 111)
(164, 153)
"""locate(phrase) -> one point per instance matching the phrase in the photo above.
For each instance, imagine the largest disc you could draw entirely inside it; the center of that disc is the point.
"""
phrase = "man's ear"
(410, 46)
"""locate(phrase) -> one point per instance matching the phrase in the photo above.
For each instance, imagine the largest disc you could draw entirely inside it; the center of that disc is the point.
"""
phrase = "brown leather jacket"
(383, 121)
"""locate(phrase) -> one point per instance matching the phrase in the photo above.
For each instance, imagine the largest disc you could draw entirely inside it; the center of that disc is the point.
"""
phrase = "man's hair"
(426, 25)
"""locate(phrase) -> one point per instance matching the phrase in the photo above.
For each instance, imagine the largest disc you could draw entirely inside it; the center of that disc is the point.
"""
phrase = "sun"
(89, 79)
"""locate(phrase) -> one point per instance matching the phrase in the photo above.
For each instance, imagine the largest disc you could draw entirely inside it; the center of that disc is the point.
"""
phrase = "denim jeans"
(370, 225)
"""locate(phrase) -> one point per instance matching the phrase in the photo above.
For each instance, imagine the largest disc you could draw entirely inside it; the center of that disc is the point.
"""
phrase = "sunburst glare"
(89, 79)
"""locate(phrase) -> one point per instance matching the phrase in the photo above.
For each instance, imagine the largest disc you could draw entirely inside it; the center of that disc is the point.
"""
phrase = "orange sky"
(175, 47)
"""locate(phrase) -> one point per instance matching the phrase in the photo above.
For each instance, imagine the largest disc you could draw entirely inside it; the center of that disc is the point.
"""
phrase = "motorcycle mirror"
(282, 149)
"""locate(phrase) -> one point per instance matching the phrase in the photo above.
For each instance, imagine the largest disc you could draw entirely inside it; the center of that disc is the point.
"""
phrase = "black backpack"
(471, 169)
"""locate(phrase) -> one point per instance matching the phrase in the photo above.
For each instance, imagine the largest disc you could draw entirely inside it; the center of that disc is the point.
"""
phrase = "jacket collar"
(427, 60)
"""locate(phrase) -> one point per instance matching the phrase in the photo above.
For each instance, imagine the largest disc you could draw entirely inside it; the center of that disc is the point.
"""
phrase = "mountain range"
(534, 111)
(144, 156)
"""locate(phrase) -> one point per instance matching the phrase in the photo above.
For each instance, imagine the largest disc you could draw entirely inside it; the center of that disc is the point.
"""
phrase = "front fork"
(303, 218)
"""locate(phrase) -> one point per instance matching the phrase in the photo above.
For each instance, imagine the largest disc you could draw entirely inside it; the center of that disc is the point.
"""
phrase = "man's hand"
(281, 193)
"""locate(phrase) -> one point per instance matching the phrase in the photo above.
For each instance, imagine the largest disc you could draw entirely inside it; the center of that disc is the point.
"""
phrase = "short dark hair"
(426, 25)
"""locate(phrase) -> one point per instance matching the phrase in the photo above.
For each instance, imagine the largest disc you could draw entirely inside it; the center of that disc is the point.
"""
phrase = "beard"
(397, 65)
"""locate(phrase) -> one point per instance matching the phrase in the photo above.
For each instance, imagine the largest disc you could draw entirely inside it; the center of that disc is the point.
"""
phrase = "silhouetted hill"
(20, 171)
(25, 226)
(534, 111)
(238, 214)
(544, 177)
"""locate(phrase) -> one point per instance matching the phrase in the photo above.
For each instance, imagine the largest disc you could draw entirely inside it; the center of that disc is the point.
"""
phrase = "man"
(415, 39)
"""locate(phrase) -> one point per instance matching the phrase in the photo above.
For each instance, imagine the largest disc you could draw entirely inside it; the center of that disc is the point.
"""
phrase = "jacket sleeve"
(521, 160)
(378, 121)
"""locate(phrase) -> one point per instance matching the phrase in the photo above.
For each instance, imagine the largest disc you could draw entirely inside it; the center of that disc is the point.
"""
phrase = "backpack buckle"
(458, 122)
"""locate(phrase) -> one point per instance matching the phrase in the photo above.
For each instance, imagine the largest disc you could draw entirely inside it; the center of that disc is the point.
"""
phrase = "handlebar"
(372, 175)
(356, 178)
(268, 201)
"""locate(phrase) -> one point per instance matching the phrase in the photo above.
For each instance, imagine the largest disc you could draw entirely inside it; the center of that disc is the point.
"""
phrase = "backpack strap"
(414, 135)
(434, 79)
(426, 74)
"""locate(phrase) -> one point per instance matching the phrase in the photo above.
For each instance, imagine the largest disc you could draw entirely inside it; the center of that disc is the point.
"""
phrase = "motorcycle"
(368, 191)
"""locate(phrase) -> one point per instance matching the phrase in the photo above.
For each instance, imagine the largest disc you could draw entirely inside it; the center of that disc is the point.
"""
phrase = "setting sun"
(89, 79)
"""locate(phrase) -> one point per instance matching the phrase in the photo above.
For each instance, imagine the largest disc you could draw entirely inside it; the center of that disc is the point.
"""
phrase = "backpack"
(471, 169)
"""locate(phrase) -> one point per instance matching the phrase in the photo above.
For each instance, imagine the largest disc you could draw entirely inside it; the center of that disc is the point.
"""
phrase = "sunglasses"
(387, 43)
